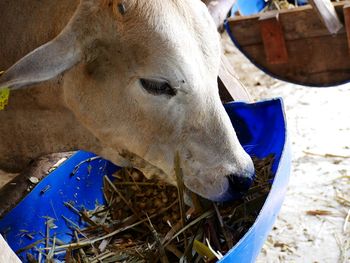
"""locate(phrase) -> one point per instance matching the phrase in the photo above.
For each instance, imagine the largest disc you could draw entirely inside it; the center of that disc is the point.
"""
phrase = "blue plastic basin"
(248, 7)
(261, 128)
(251, 7)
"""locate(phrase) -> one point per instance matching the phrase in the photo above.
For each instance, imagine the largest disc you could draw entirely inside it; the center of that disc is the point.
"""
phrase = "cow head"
(142, 77)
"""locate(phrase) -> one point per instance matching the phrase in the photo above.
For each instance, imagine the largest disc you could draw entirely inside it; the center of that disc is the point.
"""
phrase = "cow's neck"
(36, 123)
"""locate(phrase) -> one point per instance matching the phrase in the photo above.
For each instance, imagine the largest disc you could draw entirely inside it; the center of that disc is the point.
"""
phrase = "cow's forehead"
(172, 39)
(156, 16)
(174, 21)
(182, 27)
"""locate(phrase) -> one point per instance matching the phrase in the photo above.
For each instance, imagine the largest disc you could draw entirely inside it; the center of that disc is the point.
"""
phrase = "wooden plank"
(230, 86)
(310, 61)
(301, 22)
(13, 192)
(347, 22)
(327, 14)
(6, 253)
(273, 39)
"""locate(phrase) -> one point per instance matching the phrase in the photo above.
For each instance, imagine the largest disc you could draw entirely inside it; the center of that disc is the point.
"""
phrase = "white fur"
(6, 253)
(109, 52)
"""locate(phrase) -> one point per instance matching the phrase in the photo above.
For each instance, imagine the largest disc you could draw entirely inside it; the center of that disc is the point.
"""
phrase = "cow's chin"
(209, 187)
(218, 190)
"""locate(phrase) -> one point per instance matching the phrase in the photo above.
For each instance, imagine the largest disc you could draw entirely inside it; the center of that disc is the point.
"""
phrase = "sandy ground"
(319, 127)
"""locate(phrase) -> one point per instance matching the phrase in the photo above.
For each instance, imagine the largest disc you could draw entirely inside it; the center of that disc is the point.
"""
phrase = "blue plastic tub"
(261, 128)
(251, 7)
(248, 7)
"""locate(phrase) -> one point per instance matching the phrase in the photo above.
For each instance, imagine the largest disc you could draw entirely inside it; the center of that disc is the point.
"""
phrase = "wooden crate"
(295, 45)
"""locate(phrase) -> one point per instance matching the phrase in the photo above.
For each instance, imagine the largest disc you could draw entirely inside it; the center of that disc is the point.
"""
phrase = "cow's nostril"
(240, 183)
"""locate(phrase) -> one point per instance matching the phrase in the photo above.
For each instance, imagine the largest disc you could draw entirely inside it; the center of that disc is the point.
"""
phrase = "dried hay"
(147, 221)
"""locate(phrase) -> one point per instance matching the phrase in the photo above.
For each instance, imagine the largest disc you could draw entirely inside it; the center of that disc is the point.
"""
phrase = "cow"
(134, 81)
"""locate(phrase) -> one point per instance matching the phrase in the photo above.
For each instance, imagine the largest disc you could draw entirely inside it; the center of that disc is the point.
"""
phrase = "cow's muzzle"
(239, 184)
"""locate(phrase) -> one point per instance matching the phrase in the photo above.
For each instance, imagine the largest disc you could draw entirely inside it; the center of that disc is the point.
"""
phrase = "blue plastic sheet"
(261, 129)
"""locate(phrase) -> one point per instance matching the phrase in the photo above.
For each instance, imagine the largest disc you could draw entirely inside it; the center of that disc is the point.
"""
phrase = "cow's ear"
(44, 63)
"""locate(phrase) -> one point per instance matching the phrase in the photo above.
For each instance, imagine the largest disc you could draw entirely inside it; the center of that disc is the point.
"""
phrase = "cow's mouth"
(222, 188)
(232, 187)
(238, 186)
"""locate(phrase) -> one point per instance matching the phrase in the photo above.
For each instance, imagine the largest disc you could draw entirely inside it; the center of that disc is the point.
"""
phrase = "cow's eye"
(158, 87)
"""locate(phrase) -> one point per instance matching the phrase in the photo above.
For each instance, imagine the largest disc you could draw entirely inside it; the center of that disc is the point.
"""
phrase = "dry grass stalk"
(318, 212)
(189, 225)
(181, 190)
(347, 219)
(173, 249)
(122, 231)
(227, 234)
(162, 254)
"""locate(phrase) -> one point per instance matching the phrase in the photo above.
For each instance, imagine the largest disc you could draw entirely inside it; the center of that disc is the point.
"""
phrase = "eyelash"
(157, 87)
